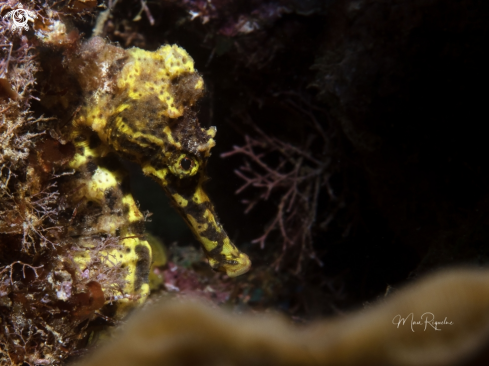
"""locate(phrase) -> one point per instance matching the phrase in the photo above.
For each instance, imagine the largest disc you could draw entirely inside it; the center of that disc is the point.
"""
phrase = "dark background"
(399, 87)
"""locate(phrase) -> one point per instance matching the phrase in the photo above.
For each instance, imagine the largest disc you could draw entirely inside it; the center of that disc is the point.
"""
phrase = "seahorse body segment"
(138, 105)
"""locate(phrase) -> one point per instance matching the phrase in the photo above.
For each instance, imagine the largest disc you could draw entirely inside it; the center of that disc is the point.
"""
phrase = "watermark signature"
(20, 17)
(426, 319)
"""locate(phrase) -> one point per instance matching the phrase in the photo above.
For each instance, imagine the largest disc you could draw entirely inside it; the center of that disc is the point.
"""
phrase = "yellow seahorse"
(138, 105)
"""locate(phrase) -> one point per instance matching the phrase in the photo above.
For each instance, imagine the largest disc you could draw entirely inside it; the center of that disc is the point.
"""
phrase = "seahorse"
(138, 106)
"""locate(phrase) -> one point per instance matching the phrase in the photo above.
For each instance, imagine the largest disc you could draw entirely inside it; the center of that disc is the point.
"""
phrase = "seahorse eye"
(184, 166)
(186, 163)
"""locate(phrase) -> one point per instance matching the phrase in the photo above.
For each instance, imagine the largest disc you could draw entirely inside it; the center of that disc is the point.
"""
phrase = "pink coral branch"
(296, 179)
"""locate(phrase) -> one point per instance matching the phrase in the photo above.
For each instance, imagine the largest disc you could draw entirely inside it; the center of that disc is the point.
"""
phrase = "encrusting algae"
(73, 246)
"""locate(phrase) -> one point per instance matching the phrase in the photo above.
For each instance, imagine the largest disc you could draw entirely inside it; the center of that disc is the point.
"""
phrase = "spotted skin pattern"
(142, 111)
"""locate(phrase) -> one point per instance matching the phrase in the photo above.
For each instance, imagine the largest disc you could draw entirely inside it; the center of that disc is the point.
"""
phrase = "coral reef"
(72, 236)
(45, 308)
(353, 128)
(34, 328)
(447, 325)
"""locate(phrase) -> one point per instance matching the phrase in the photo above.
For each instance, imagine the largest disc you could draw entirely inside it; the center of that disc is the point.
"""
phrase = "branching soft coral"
(295, 181)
